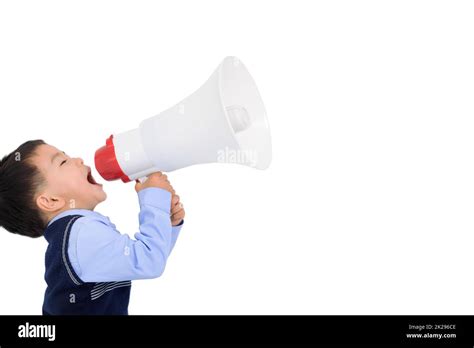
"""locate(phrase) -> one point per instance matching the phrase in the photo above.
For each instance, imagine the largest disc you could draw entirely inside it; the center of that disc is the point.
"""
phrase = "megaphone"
(224, 121)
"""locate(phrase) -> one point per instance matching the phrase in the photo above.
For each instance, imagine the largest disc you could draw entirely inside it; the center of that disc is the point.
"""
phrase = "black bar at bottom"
(288, 330)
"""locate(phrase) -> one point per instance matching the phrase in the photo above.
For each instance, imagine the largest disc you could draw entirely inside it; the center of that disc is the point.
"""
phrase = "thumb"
(138, 185)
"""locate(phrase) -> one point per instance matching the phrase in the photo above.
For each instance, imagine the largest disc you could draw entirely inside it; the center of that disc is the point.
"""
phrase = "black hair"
(19, 181)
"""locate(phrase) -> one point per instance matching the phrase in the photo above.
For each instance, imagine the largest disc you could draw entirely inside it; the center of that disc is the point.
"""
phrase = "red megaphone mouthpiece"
(106, 162)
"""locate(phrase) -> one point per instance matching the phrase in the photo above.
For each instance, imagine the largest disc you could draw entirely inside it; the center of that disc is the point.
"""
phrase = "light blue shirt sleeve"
(100, 253)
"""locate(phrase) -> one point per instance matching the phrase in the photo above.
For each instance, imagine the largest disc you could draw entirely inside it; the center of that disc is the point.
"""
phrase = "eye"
(63, 162)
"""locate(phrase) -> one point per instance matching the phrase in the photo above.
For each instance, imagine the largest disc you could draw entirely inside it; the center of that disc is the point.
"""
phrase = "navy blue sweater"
(66, 292)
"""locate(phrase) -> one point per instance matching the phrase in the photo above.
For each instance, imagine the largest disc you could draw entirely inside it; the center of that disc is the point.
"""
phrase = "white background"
(367, 206)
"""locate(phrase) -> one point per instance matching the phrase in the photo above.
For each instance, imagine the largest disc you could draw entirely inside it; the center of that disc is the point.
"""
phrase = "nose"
(79, 160)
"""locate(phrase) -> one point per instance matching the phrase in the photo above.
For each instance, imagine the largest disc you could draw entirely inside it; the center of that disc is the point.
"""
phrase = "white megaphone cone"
(223, 121)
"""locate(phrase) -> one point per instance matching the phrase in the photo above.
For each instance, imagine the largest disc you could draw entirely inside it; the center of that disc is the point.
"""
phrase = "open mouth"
(91, 179)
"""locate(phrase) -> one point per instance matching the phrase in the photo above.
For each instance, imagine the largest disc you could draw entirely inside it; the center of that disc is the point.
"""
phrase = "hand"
(157, 179)
(177, 211)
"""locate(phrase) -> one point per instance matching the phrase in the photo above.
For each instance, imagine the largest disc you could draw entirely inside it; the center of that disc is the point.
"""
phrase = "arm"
(103, 254)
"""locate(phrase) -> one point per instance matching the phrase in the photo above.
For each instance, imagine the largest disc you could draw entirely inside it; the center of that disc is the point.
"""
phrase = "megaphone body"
(223, 121)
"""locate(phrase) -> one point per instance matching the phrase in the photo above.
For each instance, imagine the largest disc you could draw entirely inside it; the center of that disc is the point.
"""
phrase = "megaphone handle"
(142, 179)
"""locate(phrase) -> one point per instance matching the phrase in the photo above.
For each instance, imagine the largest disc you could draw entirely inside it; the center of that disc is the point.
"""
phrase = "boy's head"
(37, 182)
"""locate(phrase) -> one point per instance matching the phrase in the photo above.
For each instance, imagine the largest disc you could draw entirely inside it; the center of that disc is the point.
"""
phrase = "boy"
(89, 264)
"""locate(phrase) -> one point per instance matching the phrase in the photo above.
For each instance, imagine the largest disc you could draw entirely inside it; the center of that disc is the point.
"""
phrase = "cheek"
(72, 184)
(58, 184)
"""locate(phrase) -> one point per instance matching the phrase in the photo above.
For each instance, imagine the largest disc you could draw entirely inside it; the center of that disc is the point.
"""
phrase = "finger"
(178, 217)
(175, 200)
(176, 209)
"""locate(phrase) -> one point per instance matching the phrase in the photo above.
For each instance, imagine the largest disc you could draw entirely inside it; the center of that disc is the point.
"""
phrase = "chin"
(102, 197)
(97, 197)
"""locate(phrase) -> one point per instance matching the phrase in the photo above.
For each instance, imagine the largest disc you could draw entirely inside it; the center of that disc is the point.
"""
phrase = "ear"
(50, 203)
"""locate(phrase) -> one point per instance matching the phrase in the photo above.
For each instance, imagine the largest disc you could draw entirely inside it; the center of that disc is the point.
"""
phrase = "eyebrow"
(56, 155)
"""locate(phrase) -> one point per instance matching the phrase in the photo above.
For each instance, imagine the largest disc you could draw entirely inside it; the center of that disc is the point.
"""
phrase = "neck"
(51, 215)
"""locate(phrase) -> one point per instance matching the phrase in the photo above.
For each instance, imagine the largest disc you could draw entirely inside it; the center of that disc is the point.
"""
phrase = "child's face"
(68, 182)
